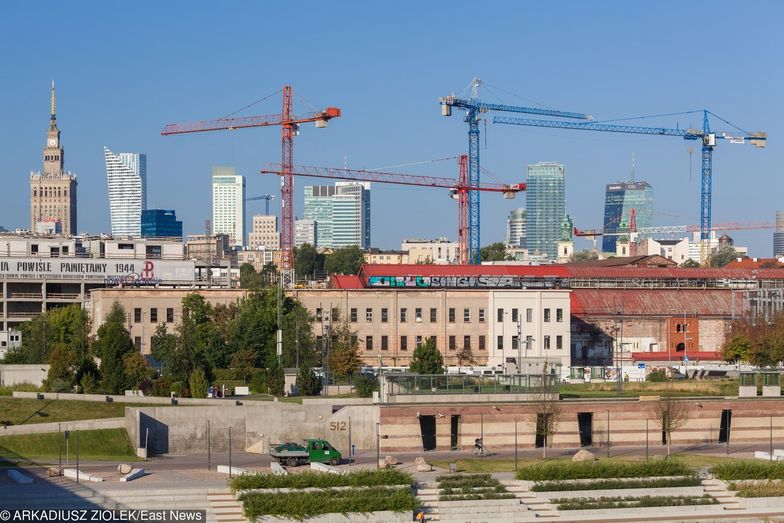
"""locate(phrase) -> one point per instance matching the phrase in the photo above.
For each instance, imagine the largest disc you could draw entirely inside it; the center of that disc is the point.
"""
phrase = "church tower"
(53, 190)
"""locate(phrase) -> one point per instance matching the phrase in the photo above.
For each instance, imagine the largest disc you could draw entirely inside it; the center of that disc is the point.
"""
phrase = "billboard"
(108, 271)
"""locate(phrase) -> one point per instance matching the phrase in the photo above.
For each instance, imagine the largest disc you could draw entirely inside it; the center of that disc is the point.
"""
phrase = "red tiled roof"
(754, 263)
(346, 281)
(657, 302)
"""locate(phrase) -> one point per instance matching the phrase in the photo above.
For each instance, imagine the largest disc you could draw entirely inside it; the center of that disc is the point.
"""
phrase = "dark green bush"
(366, 478)
(607, 484)
(258, 383)
(365, 385)
(657, 376)
(631, 502)
(458, 487)
(749, 470)
(300, 505)
(560, 470)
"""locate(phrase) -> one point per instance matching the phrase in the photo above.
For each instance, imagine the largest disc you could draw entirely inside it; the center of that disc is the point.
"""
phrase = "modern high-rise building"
(305, 232)
(264, 232)
(127, 176)
(228, 204)
(545, 202)
(341, 213)
(53, 190)
(515, 228)
(619, 200)
(160, 223)
(778, 236)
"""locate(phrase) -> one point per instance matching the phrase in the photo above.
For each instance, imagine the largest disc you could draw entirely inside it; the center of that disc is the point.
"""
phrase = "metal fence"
(415, 384)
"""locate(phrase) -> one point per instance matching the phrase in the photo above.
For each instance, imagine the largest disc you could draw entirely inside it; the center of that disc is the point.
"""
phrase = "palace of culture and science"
(53, 191)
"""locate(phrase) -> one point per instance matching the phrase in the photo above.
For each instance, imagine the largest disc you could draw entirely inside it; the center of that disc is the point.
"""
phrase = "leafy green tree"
(67, 325)
(308, 383)
(427, 359)
(494, 252)
(244, 362)
(111, 345)
(308, 261)
(298, 335)
(584, 255)
(136, 369)
(249, 278)
(163, 344)
(276, 378)
(88, 383)
(365, 385)
(346, 260)
(63, 363)
(344, 357)
(722, 256)
(198, 384)
(738, 348)
(690, 264)
(256, 325)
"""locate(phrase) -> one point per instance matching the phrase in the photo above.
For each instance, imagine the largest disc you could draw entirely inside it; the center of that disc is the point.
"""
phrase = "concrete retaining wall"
(17, 374)
(352, 517)
(150, 400)
(87, 424)
(254, 426)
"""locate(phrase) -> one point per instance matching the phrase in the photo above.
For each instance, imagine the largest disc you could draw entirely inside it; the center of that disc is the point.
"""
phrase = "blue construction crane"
(265, 197)
(473, 108)
(708, 138)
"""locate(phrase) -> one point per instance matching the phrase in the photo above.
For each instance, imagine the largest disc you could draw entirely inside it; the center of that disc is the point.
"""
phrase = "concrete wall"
(151, 400)
(254, 426)
(16, 374)
(627, 423)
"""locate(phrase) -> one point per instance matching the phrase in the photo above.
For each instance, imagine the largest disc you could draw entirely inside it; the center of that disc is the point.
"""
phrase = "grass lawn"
(94, 445)
(635, 389)
(267, 397)
(22, 411)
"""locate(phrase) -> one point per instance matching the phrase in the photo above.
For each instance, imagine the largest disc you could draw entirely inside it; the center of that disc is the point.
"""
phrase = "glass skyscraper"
(127, 175)
(228, 204)
(545, 200)
(341, 213)
(515, 228)
(619, 200)
(160, 223)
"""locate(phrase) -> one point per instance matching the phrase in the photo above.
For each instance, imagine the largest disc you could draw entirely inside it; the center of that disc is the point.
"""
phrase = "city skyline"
(637, 79)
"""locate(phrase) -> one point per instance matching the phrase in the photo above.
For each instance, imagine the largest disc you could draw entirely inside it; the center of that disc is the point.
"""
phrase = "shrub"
(300, 506)
(21, 387)
(631, 502)
(607, 484)
(560, 470)
(749, 470)
(309, 384)
(461, 487)
(770, 489)
(365, 385)
(198, 384)
(258, 383)
(657, 376)
(317, 479)
(162, 387)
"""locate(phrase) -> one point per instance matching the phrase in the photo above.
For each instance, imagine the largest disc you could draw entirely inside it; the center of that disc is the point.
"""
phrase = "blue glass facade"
(619, 200)
(545, 202)
(159, 223)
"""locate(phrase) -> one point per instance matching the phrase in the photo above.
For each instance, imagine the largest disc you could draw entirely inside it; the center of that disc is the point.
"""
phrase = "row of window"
(452, 342)
(452, 315)
(45, 193)
(137, 315)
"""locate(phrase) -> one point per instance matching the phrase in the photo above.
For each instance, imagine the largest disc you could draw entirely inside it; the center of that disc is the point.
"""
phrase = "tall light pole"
(519, 344)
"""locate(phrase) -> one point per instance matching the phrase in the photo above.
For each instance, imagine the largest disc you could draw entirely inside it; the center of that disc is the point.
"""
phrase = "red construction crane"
(459, 188)
(289, 123)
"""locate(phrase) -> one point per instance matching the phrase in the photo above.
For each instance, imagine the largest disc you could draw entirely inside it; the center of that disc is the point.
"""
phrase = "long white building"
(127, 177)
(228, 204)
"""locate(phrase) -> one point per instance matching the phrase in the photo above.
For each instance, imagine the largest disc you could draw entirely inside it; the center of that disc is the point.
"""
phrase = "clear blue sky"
(123, 72)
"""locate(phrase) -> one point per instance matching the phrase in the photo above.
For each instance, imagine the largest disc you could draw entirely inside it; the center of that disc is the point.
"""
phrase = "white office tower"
(305, 232)
(228, 204)
(127, 176)
(351, 215)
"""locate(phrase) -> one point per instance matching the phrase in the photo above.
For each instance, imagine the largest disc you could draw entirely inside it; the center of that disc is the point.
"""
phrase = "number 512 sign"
(337, 425)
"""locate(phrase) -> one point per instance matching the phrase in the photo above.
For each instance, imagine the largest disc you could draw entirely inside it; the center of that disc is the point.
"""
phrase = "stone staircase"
(718, 489)
(541, 508)
(226, 507)
(428, 495)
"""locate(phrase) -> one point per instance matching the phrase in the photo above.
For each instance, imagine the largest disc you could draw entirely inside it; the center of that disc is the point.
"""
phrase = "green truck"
(314, 451)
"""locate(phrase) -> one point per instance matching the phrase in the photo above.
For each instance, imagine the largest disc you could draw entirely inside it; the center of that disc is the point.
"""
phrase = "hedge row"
(607, 484)
(300, 505)
(749, 470)
(560, 470)
(466, 480)
(631, 502)
(771, 489)
(318, 479)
